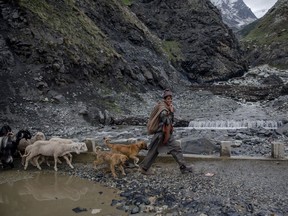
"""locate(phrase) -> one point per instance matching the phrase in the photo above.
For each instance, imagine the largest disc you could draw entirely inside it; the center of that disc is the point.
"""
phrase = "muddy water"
(34, 194)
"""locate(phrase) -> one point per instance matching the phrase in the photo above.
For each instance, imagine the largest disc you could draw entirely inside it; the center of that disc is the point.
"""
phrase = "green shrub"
(173, 50)
(127, 2)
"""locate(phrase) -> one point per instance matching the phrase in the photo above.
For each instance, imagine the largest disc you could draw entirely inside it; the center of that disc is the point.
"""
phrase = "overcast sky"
(257, 5)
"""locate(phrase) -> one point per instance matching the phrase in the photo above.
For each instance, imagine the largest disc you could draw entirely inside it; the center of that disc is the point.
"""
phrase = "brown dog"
(130, 150)
(111, 158)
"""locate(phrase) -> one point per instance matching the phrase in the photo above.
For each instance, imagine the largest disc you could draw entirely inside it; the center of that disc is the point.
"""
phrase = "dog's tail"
(107, 142)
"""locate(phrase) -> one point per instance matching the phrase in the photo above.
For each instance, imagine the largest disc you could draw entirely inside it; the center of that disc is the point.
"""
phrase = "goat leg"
(55, 163)
(35, 159)
(68, 161)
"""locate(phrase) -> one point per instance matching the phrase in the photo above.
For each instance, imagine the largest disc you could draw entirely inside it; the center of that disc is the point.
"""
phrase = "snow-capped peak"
(235, 13)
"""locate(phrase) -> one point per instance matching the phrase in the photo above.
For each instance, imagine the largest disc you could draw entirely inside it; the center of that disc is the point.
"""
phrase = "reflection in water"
(55, 194)
(54, 187)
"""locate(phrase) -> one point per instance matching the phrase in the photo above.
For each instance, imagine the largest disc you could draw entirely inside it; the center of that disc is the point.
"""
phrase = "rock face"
(266, 40)
(84, 57)
(196, 37)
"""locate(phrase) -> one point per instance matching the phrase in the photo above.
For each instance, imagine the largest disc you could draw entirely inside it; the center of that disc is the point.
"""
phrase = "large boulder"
(204, 146)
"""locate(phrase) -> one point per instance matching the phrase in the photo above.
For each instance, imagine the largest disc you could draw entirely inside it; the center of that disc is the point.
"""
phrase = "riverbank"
(217, 187)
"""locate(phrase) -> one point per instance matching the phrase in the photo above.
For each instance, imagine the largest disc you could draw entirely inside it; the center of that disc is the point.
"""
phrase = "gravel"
(232, 187)
(217, 187)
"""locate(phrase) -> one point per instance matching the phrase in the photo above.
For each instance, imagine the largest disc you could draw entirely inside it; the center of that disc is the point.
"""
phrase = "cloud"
(256, 5)
(259, 7)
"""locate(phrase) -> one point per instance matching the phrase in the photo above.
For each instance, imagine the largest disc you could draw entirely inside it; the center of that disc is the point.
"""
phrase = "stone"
(225, 150)
(91, 144)
(191, 145)
(277, 150)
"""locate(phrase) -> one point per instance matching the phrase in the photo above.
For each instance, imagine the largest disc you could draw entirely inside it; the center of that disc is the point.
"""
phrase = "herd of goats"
(37, 149)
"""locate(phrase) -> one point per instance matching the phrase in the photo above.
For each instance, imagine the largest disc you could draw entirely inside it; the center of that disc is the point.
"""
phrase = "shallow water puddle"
(34, 194)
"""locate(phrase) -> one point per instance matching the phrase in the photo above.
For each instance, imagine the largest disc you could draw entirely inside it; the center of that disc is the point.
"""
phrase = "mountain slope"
(267, 41)
(235, 13)
(209, 49)
(87, 55)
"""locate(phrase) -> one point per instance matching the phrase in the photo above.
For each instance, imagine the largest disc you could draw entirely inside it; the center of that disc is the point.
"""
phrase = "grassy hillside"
(273, 27)
(266, 41)
(67, 21)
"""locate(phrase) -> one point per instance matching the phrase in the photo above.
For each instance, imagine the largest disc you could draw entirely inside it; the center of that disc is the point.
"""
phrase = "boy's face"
(168, 100)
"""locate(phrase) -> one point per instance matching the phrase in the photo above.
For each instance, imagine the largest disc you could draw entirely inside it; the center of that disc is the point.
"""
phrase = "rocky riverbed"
(249, 111)
(216, 187)
(221, 187)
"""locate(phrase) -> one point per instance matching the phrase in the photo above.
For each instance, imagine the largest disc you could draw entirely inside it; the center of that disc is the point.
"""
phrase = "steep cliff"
(202, 47)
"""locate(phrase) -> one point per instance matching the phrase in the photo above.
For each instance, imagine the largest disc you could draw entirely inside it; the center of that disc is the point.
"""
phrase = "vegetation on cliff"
(64, 19)
(266, 40)
(95, 53)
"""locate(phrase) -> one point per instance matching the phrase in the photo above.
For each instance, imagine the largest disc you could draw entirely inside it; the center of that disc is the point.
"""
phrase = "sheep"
(22, 139)
(60, 140)
(63, 140)
(23, 143)
(33, 161)
(39, 137)
(55, 149)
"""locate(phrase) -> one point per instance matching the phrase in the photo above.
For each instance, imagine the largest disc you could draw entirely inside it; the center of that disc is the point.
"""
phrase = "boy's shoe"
(146, 172)
(186, 169)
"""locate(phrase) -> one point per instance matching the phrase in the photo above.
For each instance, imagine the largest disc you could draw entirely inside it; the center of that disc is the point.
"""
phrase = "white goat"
(55, 149)
(66, 141)
(55, 139)
(38, 136)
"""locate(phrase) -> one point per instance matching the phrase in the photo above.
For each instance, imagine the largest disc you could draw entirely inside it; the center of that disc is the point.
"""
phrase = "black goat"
(6, 150)
(5, 130)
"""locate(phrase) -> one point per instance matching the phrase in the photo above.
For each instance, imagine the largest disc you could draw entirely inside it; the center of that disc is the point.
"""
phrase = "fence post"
(225, 150)
(277, 150)
(91, 144)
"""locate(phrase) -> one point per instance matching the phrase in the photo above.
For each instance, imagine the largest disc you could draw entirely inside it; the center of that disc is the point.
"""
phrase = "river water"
(50, 193)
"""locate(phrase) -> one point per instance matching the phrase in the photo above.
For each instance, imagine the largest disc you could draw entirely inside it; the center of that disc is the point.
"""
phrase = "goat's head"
(82, 147)
(23, 134)
(40, 136)
(5, 130)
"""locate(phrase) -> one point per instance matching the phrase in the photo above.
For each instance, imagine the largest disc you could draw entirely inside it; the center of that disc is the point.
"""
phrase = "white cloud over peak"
(259, 7)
